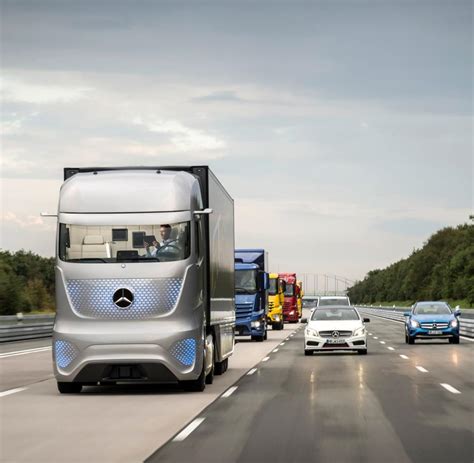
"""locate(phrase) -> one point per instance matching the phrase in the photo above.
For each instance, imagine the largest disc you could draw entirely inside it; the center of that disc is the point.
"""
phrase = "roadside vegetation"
(443, 269)
(26, 283)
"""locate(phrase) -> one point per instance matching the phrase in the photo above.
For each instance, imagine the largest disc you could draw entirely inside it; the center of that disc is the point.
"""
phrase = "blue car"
(432, 320)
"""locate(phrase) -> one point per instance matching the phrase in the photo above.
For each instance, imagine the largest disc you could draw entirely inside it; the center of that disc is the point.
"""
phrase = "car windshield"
(124, 243)
(245, 281)
(335, 314)
(333, 301)
(273, 286)
(431, 309)
(290, 289)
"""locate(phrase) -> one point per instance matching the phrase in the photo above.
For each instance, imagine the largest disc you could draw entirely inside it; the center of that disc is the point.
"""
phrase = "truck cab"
(276, 296)
(251, 300)
(290, 304)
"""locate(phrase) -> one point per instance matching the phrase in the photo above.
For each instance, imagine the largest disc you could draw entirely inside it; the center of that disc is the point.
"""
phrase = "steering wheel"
(168, 245)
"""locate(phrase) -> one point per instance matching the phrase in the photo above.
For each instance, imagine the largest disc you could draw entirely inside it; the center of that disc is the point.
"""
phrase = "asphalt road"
(400, 403)
(102, 424)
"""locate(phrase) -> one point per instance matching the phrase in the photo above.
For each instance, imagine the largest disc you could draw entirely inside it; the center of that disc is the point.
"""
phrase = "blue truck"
(251, 298)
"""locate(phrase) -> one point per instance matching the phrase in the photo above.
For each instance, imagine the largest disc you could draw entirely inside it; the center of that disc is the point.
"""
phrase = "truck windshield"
(273, 286)
(127, 243)
(290, 289)
(245, 281)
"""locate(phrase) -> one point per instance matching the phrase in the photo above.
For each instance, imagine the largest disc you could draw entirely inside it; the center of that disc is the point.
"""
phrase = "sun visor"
(145, 218)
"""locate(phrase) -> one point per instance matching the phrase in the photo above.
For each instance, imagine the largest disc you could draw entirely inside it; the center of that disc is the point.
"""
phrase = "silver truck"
(144, 277)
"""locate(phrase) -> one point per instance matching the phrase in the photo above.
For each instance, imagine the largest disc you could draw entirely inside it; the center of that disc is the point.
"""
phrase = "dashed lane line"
(420, 368)
(450, 388)
(188, 429)
(390, 348)
(404, 356)
(265, 359)
(229, 391)
(12, 391)
(275, 350)
(251, 372)
(382, 342)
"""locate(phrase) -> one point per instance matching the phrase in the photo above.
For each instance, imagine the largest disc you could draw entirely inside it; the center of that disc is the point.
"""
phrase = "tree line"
(442, 269)
(26, 282)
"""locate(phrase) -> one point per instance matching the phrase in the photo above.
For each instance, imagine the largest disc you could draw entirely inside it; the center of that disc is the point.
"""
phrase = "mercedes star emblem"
(123, 298)
(335, 334)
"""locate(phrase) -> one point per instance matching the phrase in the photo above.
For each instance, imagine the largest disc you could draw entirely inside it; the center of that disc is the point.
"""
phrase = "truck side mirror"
(262, 280)
(457, 311)
(206, 211)
(304, 320)
(283, 285)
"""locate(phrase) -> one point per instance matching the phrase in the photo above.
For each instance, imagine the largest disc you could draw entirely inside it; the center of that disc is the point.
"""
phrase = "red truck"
(290, 305)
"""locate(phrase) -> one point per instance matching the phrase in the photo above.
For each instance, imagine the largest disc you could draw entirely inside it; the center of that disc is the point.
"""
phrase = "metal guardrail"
(21, 327)
(466, 325)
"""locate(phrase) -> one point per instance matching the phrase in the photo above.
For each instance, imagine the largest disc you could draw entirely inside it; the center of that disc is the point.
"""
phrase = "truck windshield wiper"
(244, 290)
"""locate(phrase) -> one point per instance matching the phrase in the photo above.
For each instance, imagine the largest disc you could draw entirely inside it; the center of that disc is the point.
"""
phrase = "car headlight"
(311, 332)
(454, 323)
(414, 324)
(359, 331)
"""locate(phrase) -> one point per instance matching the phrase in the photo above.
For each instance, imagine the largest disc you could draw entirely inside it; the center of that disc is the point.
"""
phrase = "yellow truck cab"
(299, 298)
(276, 296)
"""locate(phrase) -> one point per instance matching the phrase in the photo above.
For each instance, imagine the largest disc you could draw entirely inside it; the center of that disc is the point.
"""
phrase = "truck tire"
(258, 338)
(219, 367)
(282, 325)
(69, 388)
(275, 326)
(265, 336)
(195, 385)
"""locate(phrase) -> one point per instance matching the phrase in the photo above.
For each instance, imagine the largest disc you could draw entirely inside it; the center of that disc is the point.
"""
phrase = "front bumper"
(102, 357)
(318, 343)
(425, 333)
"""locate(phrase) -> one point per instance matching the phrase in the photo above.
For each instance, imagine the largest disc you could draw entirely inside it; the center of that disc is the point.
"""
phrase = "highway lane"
(337, 408)
(107, 424)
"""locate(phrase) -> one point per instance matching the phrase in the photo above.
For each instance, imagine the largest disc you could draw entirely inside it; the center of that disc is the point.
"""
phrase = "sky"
(342, 129)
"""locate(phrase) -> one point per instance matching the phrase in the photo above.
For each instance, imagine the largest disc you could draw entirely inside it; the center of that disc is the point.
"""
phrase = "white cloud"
(14, 90)
(184, 138)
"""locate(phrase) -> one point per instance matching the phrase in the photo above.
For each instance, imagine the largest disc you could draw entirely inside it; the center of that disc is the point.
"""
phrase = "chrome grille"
(152, 297)
(328, 334)
(434, 326)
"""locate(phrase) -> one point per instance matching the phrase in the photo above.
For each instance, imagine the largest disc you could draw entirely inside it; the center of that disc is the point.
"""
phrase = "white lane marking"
(403, 356)
(390, 348)
(370, 334)
(375, 337)
(12, 391)
(450, 388)
(275, 350)
(382, 342)
(282, 344)
(24, 352)
(265, 359)
(229, 391)
(420, 368)
(252, 371)
(188, 429)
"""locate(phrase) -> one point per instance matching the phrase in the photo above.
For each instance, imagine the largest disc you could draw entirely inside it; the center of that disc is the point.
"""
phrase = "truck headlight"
(414, 324)
(454, 323)
(311, 332)
(277, 318)
(292, 312)
(255, 324)
(359, 331)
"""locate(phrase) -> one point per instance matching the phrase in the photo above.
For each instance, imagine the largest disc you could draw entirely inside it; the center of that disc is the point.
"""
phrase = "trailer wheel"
(69, 388)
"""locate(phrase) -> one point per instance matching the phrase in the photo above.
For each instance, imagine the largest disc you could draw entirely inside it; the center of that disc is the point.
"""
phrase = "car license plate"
(335, 341)
(435, 332)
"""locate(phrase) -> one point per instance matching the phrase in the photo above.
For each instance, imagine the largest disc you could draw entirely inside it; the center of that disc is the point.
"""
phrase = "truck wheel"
(265, 336)
(196, 385)
(69, 388)
(275, 326)
(282, 325)
(210, 375)
(258, 338)
(219, 367)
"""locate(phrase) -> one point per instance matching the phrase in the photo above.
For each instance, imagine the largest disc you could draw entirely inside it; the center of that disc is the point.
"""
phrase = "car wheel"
(362, 351)
(308, 352)
(411, 339)
(69, 388)
(454, 340)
